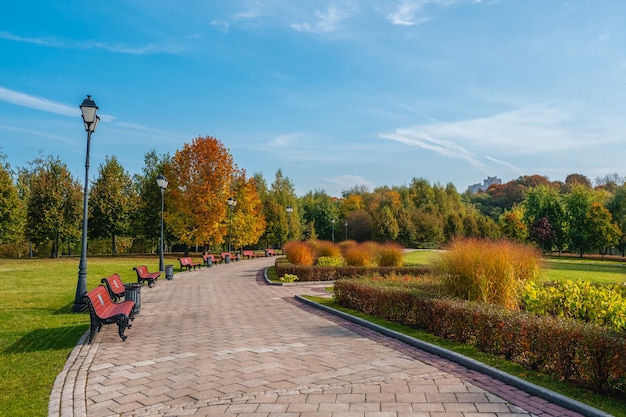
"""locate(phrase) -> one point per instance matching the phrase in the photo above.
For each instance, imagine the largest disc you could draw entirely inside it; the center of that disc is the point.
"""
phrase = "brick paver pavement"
(221, 342)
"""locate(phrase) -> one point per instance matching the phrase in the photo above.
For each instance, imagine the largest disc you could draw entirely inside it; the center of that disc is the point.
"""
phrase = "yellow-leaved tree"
(248, 221)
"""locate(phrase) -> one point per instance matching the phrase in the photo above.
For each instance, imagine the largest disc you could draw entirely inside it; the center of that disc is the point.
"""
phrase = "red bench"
(213, 259)
(187, 263)
(270, 252)
(144, 275)
(114, 286)
(249, 254)
(102, 310)
(230, 255)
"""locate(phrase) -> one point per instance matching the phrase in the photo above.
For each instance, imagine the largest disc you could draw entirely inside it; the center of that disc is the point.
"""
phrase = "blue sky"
(334, 93)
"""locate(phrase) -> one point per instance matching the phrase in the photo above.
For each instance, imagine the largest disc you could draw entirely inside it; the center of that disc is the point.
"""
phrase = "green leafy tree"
(603, 232)
(545, 201)
(112, 199)
(617, 207)
(324, 212)
(512, 224)
(279, 196)
(579, 203)
(146, 219)
(54, 213)
(12, 214)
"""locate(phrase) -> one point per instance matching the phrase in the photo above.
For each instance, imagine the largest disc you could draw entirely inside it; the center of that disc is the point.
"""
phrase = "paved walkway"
(219, 341)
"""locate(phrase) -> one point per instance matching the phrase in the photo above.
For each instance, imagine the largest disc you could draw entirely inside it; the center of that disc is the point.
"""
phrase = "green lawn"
(37, 327)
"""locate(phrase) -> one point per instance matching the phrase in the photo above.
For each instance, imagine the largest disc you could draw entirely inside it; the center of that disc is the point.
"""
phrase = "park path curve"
(220, 341)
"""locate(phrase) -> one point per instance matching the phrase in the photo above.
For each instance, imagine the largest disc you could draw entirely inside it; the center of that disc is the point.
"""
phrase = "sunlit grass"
(37, 327)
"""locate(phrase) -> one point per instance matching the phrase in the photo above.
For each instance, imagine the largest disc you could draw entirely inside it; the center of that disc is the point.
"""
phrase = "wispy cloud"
(38, 103)
(539, 129)
(405, 14)
(25, 100)
(448, 148)
(146, 49)
(345, 182)
(325, 22)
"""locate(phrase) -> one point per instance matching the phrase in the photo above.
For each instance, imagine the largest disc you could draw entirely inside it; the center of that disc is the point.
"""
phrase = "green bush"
(330, 261)
(581, 300)
(583, 354)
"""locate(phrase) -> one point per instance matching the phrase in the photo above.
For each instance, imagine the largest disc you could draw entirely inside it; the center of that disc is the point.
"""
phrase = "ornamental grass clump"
(358, 255)
(299, 253)
(488, 271)
(327, 249)
(390, 254)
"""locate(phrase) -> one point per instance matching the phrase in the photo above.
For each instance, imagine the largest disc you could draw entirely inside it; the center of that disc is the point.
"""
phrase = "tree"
(200, 180)
(579, 203)
(275, 202)
(54, 205)
(545, 201)
(512, 225)
(248, 222)
(603, 233)
(11, 209)
(323, 211)
(112, 199)
(617, 207)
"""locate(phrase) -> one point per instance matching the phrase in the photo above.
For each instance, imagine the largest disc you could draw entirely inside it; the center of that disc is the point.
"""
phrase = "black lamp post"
(231, 203)
(333, 225)
(346, 225)
(162, 183)
(90, 119)
(289, 211)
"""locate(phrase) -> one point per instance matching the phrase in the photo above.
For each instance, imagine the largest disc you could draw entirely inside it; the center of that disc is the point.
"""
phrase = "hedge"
(584, 354)
(332, 273)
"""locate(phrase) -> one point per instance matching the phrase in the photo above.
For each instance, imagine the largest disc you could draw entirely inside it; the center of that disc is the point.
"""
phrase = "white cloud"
(405, 14)
(149, 48)
(326, 21)
(38, 103)
(345, 182)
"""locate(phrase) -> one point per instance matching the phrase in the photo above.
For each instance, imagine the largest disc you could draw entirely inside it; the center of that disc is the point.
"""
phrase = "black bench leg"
(122, 324)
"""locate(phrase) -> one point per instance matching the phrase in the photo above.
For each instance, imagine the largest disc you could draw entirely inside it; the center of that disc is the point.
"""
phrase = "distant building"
(477, 188)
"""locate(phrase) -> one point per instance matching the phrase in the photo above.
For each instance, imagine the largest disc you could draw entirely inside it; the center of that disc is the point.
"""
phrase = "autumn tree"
(112, 199)
(248, 222)
(54, 205)
(200, 180)
(603, 232)
(512, 224)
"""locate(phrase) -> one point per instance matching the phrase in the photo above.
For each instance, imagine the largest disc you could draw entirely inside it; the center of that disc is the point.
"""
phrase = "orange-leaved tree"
(248, 221)
(199, 177)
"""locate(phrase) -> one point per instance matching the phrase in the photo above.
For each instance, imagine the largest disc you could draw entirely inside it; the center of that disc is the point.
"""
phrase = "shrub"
(330, 261)
(358, 255)
(288, 278)
(299, 253)
(488, 271)
(390, 254)
(326, 248)
(601, 304)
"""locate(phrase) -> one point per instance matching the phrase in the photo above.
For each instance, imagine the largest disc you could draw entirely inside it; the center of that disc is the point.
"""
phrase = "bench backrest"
(208, 256)
(185, 261)
(115, 284)
(142, 270)
(100, 299)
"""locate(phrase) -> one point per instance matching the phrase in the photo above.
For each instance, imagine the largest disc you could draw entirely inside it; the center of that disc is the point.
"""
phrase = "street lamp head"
(161, 182)
(232, 202)
(289, 209)
(89, 109)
